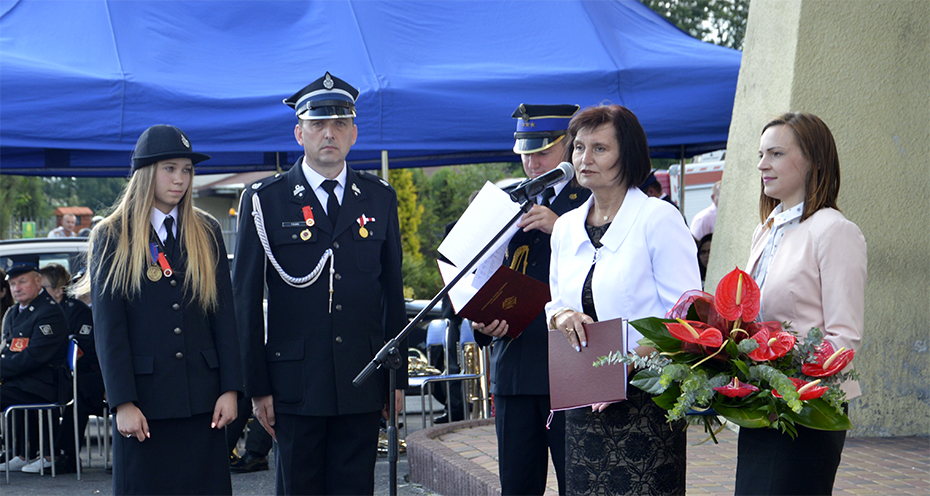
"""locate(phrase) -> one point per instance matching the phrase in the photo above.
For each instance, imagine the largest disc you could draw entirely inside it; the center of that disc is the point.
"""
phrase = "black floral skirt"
(629, 448)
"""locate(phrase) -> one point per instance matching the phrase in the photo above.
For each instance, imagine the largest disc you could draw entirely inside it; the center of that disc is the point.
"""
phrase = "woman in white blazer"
(621, 254)
(810, 263)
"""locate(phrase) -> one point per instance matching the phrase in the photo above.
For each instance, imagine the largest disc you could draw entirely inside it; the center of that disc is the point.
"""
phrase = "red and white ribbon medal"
(362, 231)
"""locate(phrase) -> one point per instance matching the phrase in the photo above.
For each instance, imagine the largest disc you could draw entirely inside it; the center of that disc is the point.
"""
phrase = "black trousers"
(10, 396)
(524, 443)
(770, 462)
(326, 455)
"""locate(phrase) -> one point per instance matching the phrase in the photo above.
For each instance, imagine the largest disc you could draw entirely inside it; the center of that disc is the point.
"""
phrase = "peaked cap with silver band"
(541, 126)
(326, 98)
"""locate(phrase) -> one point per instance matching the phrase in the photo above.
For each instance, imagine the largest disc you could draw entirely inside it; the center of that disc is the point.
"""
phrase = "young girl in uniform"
(165, 326)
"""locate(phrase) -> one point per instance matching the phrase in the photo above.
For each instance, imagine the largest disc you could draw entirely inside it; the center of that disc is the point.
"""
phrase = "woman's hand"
(600, 407)
(496, 328)
(571, 324)
(225, 410)
(130, 422)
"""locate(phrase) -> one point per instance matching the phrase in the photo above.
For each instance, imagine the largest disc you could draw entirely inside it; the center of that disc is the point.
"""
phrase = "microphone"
(532, 187)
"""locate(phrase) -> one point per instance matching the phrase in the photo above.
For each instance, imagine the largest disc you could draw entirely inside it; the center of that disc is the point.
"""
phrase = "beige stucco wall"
(863, 66)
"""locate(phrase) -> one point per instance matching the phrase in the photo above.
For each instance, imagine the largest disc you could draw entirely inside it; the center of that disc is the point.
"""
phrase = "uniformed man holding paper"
(324, 240)
(519, 367)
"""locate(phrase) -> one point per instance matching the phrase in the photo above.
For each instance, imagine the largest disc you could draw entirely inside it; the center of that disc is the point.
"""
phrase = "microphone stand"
(389, 355)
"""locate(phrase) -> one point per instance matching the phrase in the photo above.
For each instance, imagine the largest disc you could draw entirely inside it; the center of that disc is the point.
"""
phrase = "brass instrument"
(475, 360)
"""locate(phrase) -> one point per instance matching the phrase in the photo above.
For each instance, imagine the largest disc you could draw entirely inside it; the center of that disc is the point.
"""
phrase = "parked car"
(69, 252)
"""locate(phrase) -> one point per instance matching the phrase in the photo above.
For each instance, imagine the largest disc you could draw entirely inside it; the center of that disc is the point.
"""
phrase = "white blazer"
(647, 261)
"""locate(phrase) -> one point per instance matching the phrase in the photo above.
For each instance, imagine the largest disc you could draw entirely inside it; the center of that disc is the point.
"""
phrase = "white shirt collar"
(315, 179)
(158, 222)
(780, 216)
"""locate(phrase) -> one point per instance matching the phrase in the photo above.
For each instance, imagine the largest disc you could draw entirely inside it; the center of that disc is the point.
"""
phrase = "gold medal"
(305, 234)
(310, 222)
(154, 273)
(363, 232)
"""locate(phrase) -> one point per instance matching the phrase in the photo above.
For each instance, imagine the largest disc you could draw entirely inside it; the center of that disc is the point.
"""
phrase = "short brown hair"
(633, 164)
(822, 184)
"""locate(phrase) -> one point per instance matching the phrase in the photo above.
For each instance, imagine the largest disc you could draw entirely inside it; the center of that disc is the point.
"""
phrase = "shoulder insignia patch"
(85, 329)
(46, 329)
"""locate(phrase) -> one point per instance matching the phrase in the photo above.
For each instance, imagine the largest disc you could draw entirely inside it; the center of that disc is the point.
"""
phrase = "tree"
(97, 193)
(722, 22)
(409, 212)
(21, 197)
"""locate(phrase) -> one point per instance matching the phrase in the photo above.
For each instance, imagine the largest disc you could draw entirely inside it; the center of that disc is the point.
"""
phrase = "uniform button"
(536, 241)
(338, 277)
(173, 283)
(293, 236)
(179, 355)
(338, 308)
(277, 353)
(177, 330)
(336, 244)
(339, 339)
(533, 264)
(175, 307)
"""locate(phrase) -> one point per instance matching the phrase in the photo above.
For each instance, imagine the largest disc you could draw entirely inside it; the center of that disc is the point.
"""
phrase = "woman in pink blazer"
(810, 263)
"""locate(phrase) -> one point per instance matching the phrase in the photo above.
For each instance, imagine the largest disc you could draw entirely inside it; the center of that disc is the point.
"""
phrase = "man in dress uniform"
(519, 367)
(35, 336)
(324, 240)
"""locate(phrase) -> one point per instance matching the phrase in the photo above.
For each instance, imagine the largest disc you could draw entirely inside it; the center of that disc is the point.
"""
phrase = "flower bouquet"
(713, 360)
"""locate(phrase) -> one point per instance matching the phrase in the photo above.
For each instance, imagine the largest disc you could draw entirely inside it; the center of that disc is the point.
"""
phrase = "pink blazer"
(817, 279)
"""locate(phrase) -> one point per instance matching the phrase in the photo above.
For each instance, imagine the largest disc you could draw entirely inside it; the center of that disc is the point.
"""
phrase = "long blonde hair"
(128, 228)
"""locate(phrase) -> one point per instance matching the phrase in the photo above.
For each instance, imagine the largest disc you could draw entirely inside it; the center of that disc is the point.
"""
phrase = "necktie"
(170, 241)
(546, 195)
(332, 204)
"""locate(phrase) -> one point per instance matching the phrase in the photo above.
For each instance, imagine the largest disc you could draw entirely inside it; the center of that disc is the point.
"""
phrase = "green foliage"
(421, 278)
(97, 193)
(445, 195)
(21, 197)
(409, 213)
(722, 22)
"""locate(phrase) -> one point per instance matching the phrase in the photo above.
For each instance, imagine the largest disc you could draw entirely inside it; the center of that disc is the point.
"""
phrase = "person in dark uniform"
(55, 280)
(34, 345)
(325, 241)
(519, 367)
(165, 327)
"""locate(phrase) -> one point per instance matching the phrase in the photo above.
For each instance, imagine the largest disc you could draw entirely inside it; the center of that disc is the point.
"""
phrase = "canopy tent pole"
(681, 185)
(384, 165)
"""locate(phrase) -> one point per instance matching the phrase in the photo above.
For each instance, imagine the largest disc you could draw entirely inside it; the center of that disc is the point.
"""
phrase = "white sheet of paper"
(488, 213)
(463, 291)
(487, 267)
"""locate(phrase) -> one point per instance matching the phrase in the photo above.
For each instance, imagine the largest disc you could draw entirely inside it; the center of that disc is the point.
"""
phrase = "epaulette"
(263, 183)
(375, 179)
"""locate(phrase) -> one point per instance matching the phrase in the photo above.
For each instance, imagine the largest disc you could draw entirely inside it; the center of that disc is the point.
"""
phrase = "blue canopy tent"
(81, 79)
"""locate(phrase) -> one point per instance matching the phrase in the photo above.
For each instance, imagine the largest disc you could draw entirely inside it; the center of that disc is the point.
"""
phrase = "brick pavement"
(461, 458)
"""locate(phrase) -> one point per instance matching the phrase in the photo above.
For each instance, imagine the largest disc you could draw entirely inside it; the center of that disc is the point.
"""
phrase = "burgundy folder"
(573, 379)
(508, 295)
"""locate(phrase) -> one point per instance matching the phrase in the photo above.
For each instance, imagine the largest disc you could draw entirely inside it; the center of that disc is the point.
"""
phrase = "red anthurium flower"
(736, 389)
(695, 332)
(737, 297)
(829, 362)
(807, 390)
(772, 345)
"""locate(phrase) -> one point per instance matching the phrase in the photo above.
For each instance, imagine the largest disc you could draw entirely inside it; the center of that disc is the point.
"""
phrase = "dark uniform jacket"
(311, 355)
(81, 327)
(521, 366)
(36, 342)
(161, 350)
